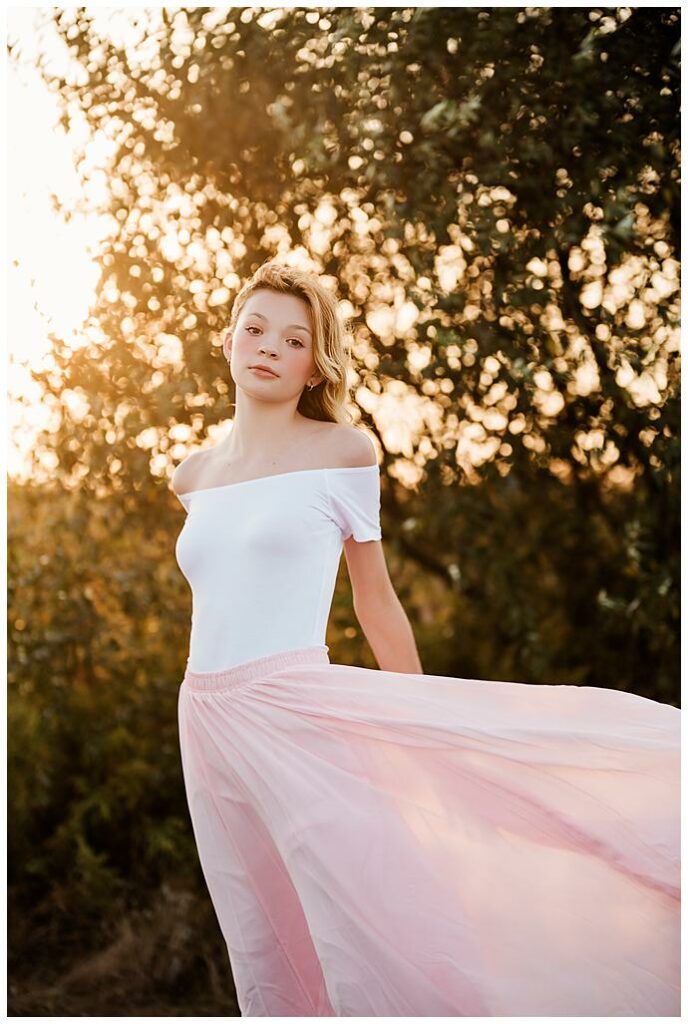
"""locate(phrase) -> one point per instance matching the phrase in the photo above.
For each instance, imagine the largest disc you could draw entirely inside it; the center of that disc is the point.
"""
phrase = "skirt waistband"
(263, 666)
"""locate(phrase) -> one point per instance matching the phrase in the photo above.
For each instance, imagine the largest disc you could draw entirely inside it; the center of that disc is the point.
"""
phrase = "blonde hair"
(327, 400)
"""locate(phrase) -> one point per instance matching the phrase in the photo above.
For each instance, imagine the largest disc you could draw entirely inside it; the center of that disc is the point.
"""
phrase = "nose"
(266, 348)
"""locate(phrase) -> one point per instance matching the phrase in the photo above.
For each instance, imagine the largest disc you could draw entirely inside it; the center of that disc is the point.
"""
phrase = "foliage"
(494, 192)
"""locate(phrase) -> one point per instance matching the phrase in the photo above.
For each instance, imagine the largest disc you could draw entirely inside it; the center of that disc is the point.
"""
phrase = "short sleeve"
(354, 494)
(183, 498)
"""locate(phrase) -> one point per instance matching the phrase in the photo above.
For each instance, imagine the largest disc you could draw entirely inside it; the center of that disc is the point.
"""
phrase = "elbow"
(373, 604)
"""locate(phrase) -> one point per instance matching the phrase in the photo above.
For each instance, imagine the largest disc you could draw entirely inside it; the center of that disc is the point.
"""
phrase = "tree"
(494, 192)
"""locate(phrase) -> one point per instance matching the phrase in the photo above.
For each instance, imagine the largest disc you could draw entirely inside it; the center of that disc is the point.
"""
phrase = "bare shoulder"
(185, 475)
(351, 446)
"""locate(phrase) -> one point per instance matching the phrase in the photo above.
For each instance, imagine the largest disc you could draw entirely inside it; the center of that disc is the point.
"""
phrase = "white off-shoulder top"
(261, 557)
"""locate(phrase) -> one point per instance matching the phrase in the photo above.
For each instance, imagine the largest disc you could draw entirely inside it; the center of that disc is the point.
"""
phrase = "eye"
(253, 327)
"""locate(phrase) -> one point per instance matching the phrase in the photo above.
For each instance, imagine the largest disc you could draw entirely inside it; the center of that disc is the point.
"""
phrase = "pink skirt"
(398, 844)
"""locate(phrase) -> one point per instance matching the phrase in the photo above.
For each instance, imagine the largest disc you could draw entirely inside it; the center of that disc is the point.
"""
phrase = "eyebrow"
(289, 326)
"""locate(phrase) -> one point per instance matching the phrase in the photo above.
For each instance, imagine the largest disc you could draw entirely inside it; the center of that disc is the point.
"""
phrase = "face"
(273, 329)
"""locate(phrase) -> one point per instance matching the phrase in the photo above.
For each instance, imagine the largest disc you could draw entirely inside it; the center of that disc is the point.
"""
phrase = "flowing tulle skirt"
(396, 844)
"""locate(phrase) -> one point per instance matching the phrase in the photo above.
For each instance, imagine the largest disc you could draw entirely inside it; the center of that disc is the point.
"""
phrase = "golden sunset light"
(343, 504)
(53, 266)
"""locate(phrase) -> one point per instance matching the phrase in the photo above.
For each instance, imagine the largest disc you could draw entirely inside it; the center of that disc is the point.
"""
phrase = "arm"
(378, 608)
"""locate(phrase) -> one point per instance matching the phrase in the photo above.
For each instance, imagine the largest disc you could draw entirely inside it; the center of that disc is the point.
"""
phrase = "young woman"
(381, 842)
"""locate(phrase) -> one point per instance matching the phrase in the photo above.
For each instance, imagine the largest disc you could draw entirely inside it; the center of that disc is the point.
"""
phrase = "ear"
(227, 344)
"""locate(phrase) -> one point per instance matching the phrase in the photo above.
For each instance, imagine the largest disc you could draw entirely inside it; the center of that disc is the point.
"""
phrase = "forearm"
(389, 633)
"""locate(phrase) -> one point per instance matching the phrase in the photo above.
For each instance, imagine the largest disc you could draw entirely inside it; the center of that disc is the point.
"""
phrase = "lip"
(263, 369)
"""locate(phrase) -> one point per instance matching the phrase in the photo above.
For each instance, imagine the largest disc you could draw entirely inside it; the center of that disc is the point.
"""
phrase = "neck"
(262, 429)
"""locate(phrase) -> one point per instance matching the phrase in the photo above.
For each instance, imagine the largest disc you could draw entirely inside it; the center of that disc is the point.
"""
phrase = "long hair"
(331, 338)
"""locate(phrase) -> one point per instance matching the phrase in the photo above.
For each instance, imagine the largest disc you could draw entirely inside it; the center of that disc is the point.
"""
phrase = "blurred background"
(494, 195)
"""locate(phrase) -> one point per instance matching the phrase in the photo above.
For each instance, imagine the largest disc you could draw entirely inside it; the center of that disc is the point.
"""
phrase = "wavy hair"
(331, 336)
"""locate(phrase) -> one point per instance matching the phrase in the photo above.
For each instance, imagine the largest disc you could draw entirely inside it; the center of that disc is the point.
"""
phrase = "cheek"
(242, 343)
(305, 358)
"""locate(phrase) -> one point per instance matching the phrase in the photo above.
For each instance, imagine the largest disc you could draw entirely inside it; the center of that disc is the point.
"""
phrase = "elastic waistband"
(246, 670)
